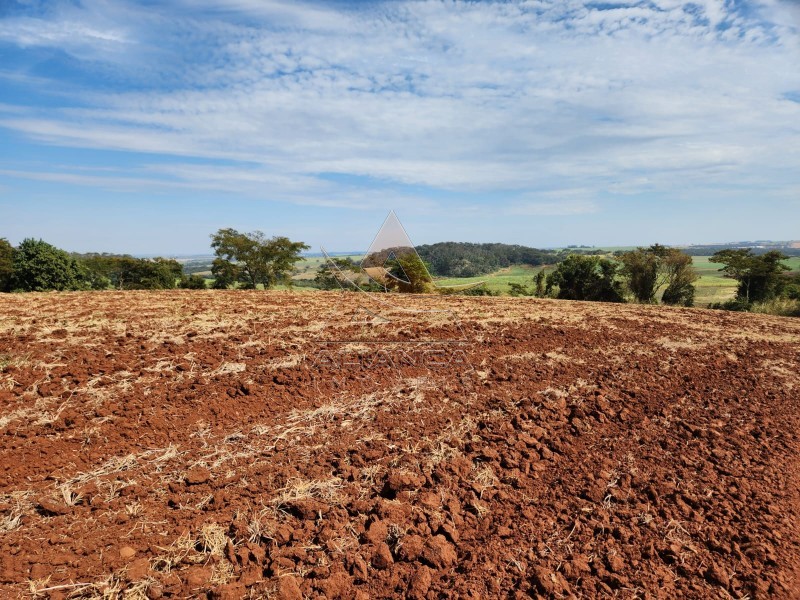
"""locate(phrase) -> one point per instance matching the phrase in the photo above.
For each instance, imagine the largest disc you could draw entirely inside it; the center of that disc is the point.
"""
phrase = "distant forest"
(463, 259)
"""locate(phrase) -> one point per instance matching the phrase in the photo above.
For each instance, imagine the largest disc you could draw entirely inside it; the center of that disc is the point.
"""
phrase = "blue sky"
(129, 127)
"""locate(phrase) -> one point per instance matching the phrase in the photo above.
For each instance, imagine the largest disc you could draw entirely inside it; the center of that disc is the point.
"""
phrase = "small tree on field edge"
(581, 277)
(760, 277)
(252, 259)
(6, 265)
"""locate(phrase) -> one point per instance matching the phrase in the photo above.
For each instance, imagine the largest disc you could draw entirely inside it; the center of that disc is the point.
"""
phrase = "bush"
(518, 289)
(737, 305)
(480, 290)
(192, 282)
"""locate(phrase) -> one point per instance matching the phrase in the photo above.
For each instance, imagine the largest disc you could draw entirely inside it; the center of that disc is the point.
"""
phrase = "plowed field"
(268, 445)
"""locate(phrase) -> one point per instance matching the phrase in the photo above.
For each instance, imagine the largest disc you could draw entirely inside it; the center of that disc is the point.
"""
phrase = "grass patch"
(781, 307)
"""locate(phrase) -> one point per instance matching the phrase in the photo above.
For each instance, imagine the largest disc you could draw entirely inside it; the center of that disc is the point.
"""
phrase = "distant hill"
(464, 259)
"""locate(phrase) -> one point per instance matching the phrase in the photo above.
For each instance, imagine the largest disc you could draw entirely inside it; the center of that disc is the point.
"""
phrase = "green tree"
(225, 273)
(253, 259)
(330, 272)
(141, 274)
(6, 265)
(580, 277)
(409, 274)
(539, 283)
(39, 266)
(538, 287)
(760, 277)
(92, 279)
(648, 270)
(679, 277)
(792, 288)
(640, 268)
(679, 294)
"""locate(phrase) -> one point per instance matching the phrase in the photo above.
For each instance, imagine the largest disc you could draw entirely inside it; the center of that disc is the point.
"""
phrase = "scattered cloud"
(418, 98)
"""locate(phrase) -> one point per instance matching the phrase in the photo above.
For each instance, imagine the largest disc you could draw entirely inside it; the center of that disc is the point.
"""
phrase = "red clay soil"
(228, 445)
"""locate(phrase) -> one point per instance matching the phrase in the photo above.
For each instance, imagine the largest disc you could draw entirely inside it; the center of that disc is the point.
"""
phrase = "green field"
(499, 280)
(711, 287)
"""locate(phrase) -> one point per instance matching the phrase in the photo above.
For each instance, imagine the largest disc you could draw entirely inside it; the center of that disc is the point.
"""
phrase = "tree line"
(37, 266)
(252, 260)
(645, 273)
(641, 274)
(245, 260)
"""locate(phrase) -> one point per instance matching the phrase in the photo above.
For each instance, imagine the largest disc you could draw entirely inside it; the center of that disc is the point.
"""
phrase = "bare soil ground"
(196, 444)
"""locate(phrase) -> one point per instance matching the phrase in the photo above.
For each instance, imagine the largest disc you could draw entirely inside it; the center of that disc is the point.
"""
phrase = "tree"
(252, 259)
(679, 277)
(679, 294)
(647, 270)
(760, 277)
(6, 265)
(792, 288)
(538, 287)
(640, 269)
(329, 274)
(580, 277)
(540, 284)
(93, 280)
(164, 273)
(409, 274)
(225, 273)
(39, 266)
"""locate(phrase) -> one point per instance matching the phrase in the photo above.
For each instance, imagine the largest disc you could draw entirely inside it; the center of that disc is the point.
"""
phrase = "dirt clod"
(382, 558)
(288, 589)
(439, 553)
(198, 476)
(51, 507)
(420, 583)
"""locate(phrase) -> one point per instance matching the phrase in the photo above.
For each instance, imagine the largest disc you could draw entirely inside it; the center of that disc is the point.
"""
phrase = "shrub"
(480, 290)
(192, 282)
(518, 289)
(736, 304)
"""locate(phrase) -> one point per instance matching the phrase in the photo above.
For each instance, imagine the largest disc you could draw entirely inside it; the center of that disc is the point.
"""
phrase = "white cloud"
(564, 205)
(465, 97)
